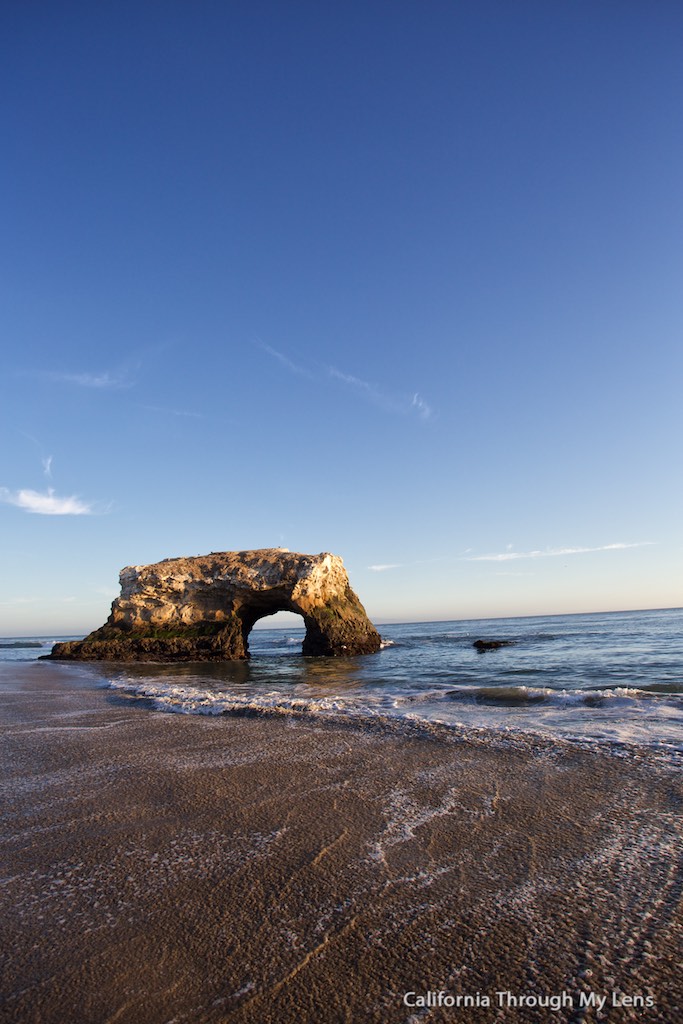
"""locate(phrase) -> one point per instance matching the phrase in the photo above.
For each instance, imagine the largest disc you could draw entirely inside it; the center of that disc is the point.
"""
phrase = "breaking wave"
(619, 714)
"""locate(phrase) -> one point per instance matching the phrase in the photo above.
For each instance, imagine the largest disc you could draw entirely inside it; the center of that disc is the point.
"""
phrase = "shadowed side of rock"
(203, 608)
(340, 627)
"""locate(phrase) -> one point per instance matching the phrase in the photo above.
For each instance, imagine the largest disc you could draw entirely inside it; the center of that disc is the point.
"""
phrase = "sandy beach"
(166, 868)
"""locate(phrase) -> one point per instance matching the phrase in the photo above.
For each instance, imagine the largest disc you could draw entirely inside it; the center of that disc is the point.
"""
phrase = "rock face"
(203, 608)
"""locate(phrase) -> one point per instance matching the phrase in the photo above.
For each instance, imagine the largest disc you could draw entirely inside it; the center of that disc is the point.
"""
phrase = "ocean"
(612, 677)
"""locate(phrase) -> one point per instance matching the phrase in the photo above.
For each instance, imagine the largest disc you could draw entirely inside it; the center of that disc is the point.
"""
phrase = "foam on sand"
(288, 869)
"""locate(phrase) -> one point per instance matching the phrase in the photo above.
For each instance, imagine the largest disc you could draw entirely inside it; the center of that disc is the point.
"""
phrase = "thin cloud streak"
(362, 387)
(48, 504)
(104, 380)
(45, 460)
(95, 381)
(509, 556)
(385, 566)
(301, 371)
(387, 403)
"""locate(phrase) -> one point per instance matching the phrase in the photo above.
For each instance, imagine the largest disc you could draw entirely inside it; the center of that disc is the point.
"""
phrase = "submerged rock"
(492, 645)
(203, 608)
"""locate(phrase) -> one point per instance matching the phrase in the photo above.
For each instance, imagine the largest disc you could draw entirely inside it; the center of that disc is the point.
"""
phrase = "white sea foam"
(569, 715)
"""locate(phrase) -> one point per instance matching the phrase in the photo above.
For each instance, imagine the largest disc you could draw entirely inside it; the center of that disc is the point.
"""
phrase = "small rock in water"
(492, 645)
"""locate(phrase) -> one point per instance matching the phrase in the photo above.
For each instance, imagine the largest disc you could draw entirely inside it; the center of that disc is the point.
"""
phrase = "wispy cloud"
(391, 403)
(98, 381)
(365, 390)
(423, 410)
(386, 566)
(387, 402)
(48, 504)
(509, 556)
(105, 380)
(288, 363)
(45, 460)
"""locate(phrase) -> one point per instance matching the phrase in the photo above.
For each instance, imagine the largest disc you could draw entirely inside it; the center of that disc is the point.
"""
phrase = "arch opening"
(284, 617)
(279, 633)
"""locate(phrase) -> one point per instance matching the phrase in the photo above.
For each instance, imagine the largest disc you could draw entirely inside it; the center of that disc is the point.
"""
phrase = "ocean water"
(614, 677)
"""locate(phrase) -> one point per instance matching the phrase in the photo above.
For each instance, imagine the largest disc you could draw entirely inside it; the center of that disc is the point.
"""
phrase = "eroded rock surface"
(203, 608)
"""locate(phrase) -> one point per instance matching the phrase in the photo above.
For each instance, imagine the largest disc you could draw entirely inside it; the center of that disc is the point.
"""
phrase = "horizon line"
(399, 622)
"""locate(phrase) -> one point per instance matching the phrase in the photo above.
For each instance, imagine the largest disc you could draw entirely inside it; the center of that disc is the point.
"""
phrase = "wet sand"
(162, 868)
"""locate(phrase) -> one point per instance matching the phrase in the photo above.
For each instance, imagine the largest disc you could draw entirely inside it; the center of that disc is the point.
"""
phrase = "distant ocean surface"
(614, 677)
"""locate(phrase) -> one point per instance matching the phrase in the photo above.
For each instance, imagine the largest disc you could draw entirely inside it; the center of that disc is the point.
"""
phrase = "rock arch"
(204, 608)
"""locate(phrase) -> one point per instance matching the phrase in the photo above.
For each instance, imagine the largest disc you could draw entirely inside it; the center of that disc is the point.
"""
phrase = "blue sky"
(401, 281)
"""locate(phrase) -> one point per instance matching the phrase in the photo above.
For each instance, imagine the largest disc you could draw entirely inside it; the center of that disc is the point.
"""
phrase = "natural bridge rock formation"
(203, 608)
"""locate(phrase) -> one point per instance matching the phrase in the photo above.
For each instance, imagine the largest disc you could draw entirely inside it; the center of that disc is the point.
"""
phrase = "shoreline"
(203, 702)
(206, 869)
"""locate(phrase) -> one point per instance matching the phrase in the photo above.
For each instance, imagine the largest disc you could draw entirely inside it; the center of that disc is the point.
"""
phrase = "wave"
(20, 645)
(619, 715)
(653, 688)
(186, 699)
(591, 698)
